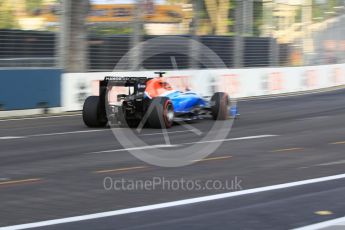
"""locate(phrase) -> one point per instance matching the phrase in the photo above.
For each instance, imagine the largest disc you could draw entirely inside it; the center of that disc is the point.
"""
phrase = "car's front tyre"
(220, 106)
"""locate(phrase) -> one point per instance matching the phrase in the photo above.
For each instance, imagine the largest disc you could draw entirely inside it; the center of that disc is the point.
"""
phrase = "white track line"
(180, 144)
(79, 131)
(335, 222)
(332, 163)
(171, 204)
(53, 134)
(34, 118)
(10, 137)
(231, 139)
(64, 133)
(180, 131)
(325, 164)
(135, 148)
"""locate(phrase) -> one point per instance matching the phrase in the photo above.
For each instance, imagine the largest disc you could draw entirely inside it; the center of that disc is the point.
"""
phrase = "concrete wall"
(238, 83)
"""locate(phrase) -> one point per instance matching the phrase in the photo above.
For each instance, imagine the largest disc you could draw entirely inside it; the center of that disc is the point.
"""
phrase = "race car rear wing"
(138, 84)
(123, 81)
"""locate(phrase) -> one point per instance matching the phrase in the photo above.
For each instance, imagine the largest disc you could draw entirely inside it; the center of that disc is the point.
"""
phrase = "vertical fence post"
(270, 26)
(248, 18)
(136, 38)
(238, 39)
(194, 44)
(61, 37)
(73, 39)
(306, 22)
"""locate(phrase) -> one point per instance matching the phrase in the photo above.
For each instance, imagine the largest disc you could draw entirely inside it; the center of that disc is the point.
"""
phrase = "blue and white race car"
(151, 102)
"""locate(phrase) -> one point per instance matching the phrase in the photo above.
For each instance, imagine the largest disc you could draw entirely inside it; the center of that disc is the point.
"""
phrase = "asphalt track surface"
(53, 168)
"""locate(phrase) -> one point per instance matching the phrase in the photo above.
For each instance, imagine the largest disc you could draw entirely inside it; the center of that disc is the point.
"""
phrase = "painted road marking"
(180, 131)
(338, 143)
(286, 150)
(172, 204)
(86, 131)
(78, 132)
(213, 158)
(12, 182)
(144, 167)
(324, 213)
(135, 148)
(230, 139)
(34, 118)
(332, 163)
(325, 164)
(180, 144)
(10, 137)
(64, 133)
(53, 134)
(340, 222)
(121, 169)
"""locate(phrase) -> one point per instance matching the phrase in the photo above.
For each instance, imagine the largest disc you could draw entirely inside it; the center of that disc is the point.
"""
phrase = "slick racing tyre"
(92, 114)
(161, 113)
(219, 106)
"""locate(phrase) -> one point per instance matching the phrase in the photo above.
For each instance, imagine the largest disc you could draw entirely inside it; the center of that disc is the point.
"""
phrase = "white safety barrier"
(238, 83)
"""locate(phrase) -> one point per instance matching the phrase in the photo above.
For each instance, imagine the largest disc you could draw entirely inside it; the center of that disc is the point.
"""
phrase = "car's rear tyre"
(161, 113)
(219, 106)
(92, 114)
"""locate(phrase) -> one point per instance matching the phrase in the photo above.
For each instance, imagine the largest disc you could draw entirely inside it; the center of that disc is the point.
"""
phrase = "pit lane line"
(172, 204)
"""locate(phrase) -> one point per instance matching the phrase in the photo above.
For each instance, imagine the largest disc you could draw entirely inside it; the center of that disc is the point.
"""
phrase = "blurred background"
(92, 35)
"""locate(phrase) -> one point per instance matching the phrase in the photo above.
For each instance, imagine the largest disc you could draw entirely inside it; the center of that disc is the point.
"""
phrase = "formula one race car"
(151, 101)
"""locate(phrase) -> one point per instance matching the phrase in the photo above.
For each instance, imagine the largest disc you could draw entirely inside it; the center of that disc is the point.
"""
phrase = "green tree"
(7, 15)
(33, 5)
(258, 18)
(324, 9)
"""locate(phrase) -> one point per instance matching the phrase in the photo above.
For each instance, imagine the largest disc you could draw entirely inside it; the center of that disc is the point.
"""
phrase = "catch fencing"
(81, 37)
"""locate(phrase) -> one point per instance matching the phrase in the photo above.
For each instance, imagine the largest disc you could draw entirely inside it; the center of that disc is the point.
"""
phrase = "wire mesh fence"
(27, 49)
(83, 35)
